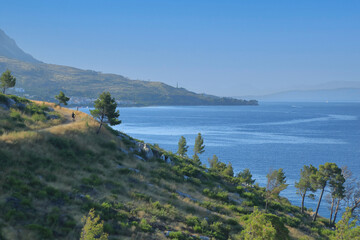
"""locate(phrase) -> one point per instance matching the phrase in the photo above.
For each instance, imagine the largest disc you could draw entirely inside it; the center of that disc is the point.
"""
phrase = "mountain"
(322, 95)
(9, 49)
(43, 81)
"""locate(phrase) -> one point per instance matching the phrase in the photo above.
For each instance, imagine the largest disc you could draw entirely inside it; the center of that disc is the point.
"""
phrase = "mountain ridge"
(9, 49)
(42, 81)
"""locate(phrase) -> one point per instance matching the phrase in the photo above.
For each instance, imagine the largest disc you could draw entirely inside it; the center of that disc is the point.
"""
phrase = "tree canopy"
(93, 228)
(258, 227)
(276, 182)
(346, 228)
(182, 147)
(246, 176)
(327, 172)
(304, 185)
(7, 80)
(105, 110)
(199, 145)
(62, 98)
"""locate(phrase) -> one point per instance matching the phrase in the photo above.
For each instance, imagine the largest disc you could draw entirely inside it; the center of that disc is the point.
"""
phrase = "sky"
(224, 47)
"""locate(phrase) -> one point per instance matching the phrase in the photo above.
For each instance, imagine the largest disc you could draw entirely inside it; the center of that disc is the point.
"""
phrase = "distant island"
(40, 81)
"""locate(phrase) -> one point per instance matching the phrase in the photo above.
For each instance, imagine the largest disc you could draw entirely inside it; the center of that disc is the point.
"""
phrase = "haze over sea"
(269, 136)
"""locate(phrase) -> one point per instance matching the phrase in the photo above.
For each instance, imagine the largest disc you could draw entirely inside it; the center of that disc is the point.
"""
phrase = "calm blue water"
(269, 136)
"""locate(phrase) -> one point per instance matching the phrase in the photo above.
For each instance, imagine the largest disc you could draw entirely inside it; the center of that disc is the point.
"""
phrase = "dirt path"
(68, 120)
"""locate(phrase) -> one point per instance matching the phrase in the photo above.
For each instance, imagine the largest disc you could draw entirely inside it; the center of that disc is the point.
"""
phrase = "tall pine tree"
(182, 147)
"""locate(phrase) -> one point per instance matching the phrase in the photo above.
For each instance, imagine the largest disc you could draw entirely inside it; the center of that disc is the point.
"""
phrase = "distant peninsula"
(40, 81)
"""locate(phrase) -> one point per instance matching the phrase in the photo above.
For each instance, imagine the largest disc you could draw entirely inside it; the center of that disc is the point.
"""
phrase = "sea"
(262, 138)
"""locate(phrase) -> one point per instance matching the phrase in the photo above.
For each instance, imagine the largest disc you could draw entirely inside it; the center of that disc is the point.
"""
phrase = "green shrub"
(38, 117)
(59, 143)
(15, 115)
(144, 226)
(43, 232)
(177, 235)
(220, 195)
(93, 180)
(282, 233)
(232, 221)
(140, 196)
(192, 220)
(111, 145)
(326, 232)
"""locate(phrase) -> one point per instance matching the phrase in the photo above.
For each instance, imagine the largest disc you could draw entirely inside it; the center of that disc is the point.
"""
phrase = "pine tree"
(7, 80)
(276, 182)
(199, 145)
(105, 110)
(337, 192)
(229, 171)
(304, 185)
(320, 180)
(62, 99)
(213, 162)
(93, 229)
(196, 159)
(347, 228)
(246, 176)
(182, 147)
(257, 227)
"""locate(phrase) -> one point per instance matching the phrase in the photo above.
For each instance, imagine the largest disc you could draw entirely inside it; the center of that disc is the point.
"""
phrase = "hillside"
(53, 170)
(9, 49)
(41, 81)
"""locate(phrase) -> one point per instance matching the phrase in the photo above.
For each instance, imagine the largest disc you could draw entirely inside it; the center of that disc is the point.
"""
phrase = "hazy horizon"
(223, 48)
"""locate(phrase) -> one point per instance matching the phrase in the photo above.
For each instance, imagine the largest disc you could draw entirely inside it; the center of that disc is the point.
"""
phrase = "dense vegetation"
(55, 171)
(35, 77)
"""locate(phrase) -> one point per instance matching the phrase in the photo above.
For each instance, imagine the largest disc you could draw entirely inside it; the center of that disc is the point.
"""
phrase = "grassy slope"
(51, 177)
(34, 78)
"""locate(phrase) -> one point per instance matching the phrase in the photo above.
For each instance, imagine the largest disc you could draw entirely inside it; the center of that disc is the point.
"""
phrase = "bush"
(177, 235)
(111, 145)
(15, 115)
(140, 196)
(282, 233)
(93, 180)
(38, 117)
(43, 232)
(59, 143)
(144, 226)
(192, 220)
(220, 195)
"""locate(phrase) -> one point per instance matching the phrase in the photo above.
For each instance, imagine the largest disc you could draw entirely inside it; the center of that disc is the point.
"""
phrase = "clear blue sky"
(227, 48)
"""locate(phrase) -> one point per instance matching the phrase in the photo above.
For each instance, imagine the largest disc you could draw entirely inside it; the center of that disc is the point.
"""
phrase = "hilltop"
(41, 81)
(54, 170)
(9, 49)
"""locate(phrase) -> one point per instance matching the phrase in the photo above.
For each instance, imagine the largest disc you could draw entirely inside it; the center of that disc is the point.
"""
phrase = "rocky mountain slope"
(9, 49)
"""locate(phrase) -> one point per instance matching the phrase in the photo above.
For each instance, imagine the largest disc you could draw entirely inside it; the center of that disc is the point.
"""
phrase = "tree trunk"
(318, 206)
(97, 132)
(101, 123)
(266, 205)
(336, 211)
(302, 202)
(332, 210)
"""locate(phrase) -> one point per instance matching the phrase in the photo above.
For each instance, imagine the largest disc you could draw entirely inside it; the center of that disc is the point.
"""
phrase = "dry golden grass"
(15, 137)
